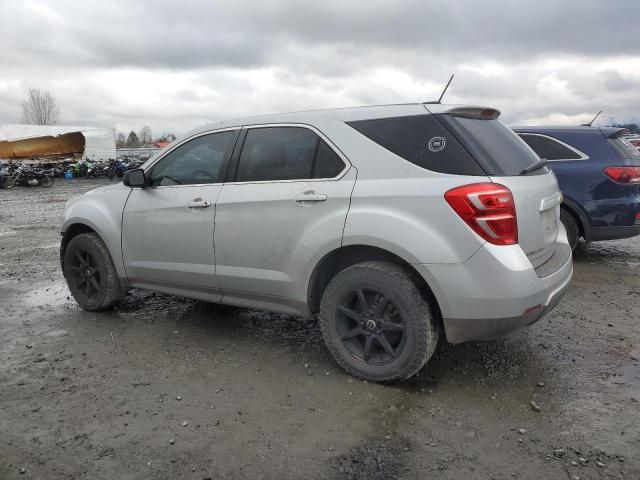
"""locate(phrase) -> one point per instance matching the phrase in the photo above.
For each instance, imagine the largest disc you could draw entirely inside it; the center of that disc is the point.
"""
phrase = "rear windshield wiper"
(537, 165)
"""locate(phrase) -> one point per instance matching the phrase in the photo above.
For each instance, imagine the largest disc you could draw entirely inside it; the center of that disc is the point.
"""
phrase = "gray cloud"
(174, 64)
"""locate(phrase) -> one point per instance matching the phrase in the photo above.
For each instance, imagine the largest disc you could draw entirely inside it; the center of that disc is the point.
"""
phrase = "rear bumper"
(497, 291)
(614, 233)
(460, 330)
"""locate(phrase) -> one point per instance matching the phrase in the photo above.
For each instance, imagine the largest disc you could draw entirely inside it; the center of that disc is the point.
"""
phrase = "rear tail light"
(489, 209)
(623, 174)
(636, 221)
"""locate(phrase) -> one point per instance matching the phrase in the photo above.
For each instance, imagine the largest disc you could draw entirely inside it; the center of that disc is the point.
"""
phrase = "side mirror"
(134, 178)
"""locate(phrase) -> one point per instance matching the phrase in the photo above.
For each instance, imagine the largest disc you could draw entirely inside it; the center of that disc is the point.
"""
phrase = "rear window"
(624, 148)
(549, 148)
(497, 148)
(421, 140)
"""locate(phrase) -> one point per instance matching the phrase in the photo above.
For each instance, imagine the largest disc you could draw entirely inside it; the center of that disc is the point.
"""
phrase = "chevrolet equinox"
(393, 224)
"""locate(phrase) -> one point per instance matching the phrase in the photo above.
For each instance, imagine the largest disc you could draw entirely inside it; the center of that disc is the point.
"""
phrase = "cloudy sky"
(174, 65)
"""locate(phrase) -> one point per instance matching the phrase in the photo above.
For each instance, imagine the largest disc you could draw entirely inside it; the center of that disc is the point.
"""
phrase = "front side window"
(198, 161)
(548, 148)
(286, 153)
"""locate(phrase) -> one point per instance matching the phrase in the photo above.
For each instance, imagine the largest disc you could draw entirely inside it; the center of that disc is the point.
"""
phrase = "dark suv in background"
(598, 171)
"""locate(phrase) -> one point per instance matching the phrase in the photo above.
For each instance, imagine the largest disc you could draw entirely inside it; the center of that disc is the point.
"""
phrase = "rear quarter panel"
(400, 207)
(410, 218)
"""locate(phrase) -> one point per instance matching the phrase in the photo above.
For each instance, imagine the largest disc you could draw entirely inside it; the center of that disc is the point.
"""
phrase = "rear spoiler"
(478, 113)
(613, 132)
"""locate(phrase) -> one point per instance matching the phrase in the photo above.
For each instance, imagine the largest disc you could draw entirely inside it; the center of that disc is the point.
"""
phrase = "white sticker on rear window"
(437, 143)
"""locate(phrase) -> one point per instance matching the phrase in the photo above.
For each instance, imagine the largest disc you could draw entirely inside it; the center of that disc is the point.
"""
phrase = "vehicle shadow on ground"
(513, 360)
(625, 251)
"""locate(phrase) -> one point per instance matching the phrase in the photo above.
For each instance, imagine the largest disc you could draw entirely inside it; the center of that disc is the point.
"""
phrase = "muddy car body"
(391, 222)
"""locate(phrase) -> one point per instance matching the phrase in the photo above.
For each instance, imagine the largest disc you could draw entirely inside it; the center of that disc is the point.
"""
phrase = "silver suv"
(393, 223)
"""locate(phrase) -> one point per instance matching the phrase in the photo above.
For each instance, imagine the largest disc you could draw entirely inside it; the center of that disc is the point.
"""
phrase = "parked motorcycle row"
(43, 174)
(25, 175)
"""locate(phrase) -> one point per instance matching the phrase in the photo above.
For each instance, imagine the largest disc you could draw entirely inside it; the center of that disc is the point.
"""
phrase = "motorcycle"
(27, 176)
(117, 169)
(91, 169)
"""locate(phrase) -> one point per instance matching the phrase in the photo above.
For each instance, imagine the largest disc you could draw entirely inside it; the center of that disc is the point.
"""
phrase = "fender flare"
(573, 207)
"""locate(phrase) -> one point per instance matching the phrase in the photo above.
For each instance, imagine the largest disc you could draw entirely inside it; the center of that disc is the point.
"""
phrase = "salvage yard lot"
(166, 387)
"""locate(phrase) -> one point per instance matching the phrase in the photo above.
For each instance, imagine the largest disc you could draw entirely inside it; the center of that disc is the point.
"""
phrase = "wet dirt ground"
(166, 388)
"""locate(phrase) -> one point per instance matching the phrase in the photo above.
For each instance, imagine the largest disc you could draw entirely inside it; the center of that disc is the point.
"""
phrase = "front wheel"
(376, 322)
(10, 183)
(90, 273)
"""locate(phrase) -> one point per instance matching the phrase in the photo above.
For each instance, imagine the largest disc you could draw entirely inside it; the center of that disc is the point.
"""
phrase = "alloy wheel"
(85, 273)
(370, 327)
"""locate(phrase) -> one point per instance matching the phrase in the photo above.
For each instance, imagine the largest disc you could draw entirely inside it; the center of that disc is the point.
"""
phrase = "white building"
(99, 143)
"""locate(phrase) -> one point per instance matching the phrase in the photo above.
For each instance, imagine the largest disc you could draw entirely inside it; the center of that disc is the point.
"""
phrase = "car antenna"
(592, 120)
(443, 91)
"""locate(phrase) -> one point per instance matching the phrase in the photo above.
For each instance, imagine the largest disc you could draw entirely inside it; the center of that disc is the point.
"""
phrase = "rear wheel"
(46, 181)
(90, 273)
(376, 322)
(571, 226)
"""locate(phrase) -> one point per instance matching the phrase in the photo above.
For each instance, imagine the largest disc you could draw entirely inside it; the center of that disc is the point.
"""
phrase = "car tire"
(571, 226)
(396, 322)
(91, 275)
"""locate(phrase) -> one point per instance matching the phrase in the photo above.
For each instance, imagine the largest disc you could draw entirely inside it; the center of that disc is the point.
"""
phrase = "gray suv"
(392, 223)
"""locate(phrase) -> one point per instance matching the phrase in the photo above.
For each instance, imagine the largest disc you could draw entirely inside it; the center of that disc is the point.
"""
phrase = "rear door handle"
(198, 203)
(310, 196)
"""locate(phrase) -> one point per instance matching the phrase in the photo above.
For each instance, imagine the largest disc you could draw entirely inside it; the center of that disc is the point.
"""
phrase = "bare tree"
(40, 108)
(121, 140)
(145, 136)
(166, 137)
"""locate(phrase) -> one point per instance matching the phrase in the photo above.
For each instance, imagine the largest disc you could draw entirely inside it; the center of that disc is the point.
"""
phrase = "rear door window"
(549, 148)
(286, 153)
(421, 140)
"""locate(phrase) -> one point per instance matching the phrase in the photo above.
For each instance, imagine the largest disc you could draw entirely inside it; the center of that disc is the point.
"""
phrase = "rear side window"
(496, 147)
(422, 140)
(624, 148)
(286, 153)
(548, 148)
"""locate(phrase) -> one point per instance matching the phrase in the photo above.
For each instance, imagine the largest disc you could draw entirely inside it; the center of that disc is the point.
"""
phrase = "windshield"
(497, 148)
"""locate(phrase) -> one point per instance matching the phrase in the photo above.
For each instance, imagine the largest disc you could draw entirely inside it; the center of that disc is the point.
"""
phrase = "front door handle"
(198, 203)
(310, 196)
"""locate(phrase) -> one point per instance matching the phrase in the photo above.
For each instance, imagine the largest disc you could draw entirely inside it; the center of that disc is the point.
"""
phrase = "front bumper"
(497, 291)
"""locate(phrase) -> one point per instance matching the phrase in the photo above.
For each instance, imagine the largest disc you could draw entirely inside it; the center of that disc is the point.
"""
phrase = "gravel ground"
(167, 388)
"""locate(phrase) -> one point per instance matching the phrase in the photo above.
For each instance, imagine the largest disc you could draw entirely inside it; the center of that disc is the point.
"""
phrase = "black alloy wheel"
(85, 274)
(91, 274)
(370, 327)
(377, 323)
